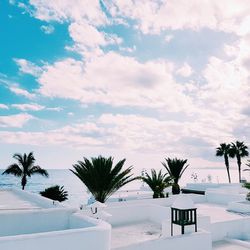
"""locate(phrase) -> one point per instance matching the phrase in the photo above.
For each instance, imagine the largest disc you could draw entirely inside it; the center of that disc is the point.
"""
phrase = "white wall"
(77, 240)
(78, 220)
(160, 201)
(223, 198)
(233, 228)
(34, 221)
(239, 207)
(135, 213)
(195, 241)
(205, 186)
(96, 237)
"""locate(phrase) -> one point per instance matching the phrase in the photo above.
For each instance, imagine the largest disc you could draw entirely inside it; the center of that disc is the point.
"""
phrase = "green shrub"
(55, 193)
(246, 185)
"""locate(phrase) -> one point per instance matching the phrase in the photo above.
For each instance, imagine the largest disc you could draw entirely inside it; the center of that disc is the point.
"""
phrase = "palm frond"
(38, 170)
(100, 176)
(13, 169)
(157, 182)
(223, 149)
(175, 167)
(55, 193)
(238, 148)
(19, 158)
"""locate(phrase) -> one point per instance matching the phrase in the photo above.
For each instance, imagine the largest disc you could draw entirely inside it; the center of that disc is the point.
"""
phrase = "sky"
(141, 80)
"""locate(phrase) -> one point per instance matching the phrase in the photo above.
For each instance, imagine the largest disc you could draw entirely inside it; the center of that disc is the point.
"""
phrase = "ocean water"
(78, 193)
(63, 177)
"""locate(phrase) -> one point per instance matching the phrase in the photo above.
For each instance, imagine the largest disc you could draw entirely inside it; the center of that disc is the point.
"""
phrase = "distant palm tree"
(223, 150)
(25, 168)
(175, 168)
(157, 182)
(238, 150)
(102, 178)
(55, 193)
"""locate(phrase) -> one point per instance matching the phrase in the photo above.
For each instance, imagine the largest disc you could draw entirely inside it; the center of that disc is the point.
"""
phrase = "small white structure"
(94, 207)
(183, 202)
(97, 210)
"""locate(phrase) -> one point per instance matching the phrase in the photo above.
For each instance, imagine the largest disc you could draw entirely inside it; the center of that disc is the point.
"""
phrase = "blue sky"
(142, 80)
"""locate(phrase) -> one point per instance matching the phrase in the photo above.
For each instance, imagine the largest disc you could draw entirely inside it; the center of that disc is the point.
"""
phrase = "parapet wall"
(195, 241)
(87, 233)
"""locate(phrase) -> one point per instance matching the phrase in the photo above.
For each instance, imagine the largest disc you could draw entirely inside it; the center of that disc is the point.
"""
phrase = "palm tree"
(25, 168)
(238, 150)
(223, 150)
(102, 178)
(55, 193)
(175, 168)
(157, 182)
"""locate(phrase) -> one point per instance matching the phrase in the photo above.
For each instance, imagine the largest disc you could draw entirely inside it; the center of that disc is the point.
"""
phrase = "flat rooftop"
(134, 233)
(217, 213)
(128, 234)
(11, 201)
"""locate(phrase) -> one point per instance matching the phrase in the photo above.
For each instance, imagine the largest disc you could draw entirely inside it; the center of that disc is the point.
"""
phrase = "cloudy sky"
(141, 79)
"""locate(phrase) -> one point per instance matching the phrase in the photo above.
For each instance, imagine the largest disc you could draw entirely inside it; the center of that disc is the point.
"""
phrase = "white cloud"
(28, 67)
(15, 121)
(88, 39)
(52, 137)
(22, 92)
(3, 106)
(224, 15)
(132, 133)
(185, 70)
(142, 133)
(47, 29)
(87, 35)
(57, 109)
(64, 10)
(143, 84)
(14, 87)
(28, 107)
(227, 87)
(35, 107)
(128, 49)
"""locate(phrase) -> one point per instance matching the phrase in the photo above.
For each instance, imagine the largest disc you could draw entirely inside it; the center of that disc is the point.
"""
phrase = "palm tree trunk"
(239, 166)
(175, 187)
(228, 174)
(227, 166)
(24, 182)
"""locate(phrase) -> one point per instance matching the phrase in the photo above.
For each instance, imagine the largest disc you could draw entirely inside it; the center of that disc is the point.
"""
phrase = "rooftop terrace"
(134, 233)
(217, 212)
(11, 201)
